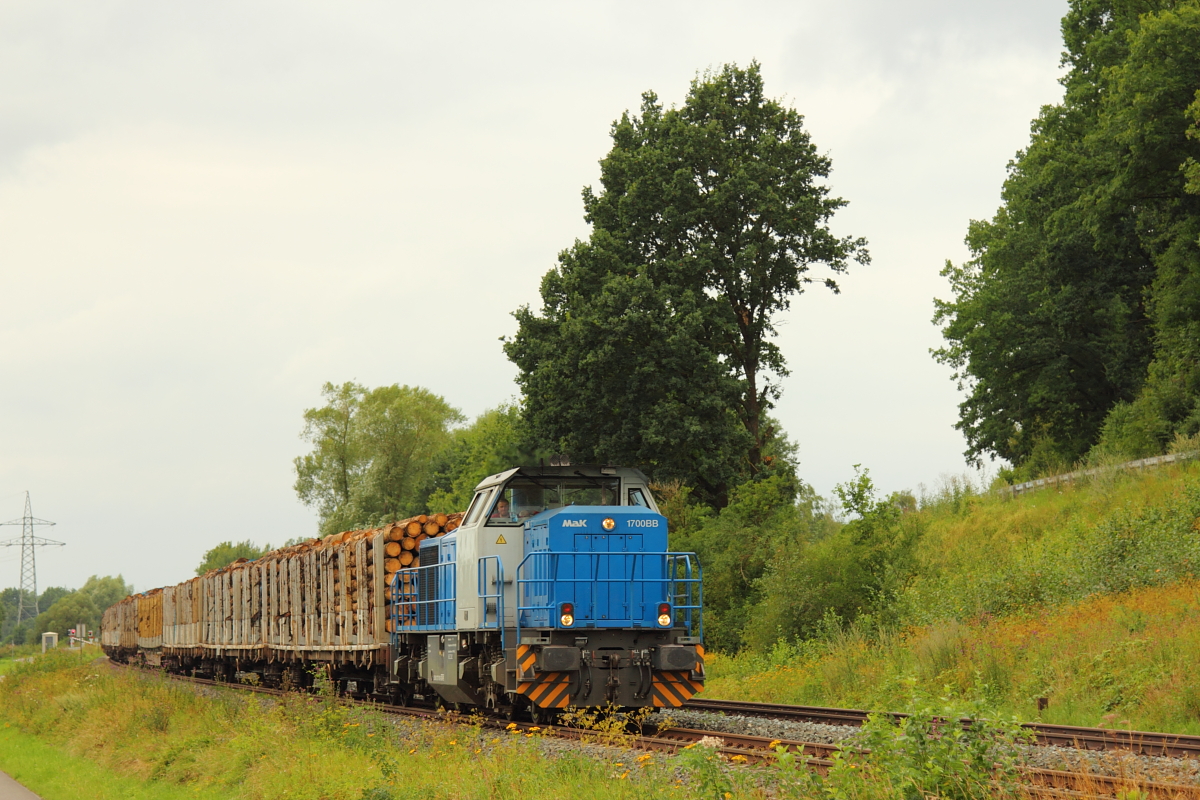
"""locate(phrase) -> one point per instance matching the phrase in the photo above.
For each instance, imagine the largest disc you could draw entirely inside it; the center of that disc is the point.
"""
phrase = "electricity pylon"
(29, 544)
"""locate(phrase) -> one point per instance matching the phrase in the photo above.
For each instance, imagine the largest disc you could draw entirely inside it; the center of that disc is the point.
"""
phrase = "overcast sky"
(209, 209)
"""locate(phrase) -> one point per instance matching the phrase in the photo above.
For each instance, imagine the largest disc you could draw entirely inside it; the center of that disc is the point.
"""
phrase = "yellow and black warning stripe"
(526, 660)
(548, 690)
(673, 689)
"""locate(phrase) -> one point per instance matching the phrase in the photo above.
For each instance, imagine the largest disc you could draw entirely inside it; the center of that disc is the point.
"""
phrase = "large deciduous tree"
(1075, 320)
(374, 451)
(654, 343)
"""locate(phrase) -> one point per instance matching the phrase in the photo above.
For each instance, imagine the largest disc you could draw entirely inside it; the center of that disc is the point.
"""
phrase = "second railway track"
(1145, 743)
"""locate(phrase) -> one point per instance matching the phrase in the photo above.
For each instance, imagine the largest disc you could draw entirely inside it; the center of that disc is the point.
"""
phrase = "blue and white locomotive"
(557, 590)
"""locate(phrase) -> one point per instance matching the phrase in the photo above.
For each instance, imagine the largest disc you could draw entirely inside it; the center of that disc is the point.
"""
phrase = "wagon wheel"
(537, 714)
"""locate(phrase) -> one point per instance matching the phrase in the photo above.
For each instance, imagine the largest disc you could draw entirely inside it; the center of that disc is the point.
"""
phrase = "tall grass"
(1120, 660)
(987, 555)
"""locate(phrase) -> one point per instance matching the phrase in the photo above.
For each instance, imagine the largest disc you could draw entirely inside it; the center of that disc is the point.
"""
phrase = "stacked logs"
(401, 543)
(320, 586)
(402, 540)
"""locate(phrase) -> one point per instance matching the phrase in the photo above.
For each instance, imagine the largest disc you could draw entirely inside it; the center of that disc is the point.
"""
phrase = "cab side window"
(477, 505)
(637, 497)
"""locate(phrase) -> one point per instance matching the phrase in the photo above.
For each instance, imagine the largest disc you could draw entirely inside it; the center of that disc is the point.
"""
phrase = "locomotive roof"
(574, 470)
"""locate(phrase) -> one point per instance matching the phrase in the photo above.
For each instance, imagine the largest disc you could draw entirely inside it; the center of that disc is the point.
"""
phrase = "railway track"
(1144, 743)
(1050, 784)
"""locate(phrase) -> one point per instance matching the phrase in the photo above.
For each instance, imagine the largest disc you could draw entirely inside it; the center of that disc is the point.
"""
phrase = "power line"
(29, 544)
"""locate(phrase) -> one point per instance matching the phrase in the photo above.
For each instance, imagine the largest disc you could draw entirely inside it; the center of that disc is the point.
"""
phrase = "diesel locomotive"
(556, 589)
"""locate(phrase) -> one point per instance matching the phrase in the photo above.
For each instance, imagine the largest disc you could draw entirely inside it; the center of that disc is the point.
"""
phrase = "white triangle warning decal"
(501, 540)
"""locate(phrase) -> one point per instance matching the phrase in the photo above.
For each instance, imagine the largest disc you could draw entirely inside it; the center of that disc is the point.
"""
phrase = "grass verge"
(1123, 660)
(74, 730)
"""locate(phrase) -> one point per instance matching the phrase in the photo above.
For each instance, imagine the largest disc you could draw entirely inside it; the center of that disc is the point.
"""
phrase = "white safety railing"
(1070, 477)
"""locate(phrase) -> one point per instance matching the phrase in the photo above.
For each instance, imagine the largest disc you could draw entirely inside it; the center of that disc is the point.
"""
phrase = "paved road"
(11, 790)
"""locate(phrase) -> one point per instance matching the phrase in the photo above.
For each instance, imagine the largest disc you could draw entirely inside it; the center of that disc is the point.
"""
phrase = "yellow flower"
(644, 758)
(728, 795)
(774, 743)
(738, 759)
(619, 764)
(478, 750)
(454, 741)
(369, 735)
(623, 775)
(510, 726)
(535, 728)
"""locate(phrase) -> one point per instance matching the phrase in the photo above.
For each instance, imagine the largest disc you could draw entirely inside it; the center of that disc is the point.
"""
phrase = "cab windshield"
(524, 497)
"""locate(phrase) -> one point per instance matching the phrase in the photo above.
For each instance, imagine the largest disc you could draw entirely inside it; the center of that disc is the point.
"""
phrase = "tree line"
(61, 609)
(1075, 327)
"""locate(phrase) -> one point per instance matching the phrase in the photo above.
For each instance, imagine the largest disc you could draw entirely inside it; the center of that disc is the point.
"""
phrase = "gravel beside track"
(1116, 763)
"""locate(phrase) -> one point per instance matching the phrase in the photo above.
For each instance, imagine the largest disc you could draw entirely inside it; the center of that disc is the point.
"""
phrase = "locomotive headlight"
(664, 615)
(566, 614)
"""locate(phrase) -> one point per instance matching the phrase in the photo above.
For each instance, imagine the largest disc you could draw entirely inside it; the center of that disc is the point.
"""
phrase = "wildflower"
(774, 743)
(738, 759)
(623, 775)
(642, 759)
(454, 741)
(512, 726)
(535, 728)
(410, 752)
(478, 750)
(619, 764)
(369, 735)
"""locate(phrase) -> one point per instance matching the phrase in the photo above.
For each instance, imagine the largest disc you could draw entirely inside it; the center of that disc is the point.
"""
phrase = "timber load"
(324, 599)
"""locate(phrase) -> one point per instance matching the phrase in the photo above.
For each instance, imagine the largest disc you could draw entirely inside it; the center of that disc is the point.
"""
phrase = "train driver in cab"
(501, 509)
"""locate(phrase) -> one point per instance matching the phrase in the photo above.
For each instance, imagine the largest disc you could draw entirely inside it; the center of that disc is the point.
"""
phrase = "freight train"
(555, 589)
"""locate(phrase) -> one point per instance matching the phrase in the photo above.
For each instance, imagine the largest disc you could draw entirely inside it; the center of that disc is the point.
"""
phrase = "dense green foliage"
(778, 564)
(374, 451)
(384, 454)
(653, 345)
(495, 441)
(1084, 594)
(226, 553)
(1076, 320)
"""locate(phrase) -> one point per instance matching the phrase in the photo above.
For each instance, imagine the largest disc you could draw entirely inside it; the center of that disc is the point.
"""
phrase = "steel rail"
(1145, 743)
